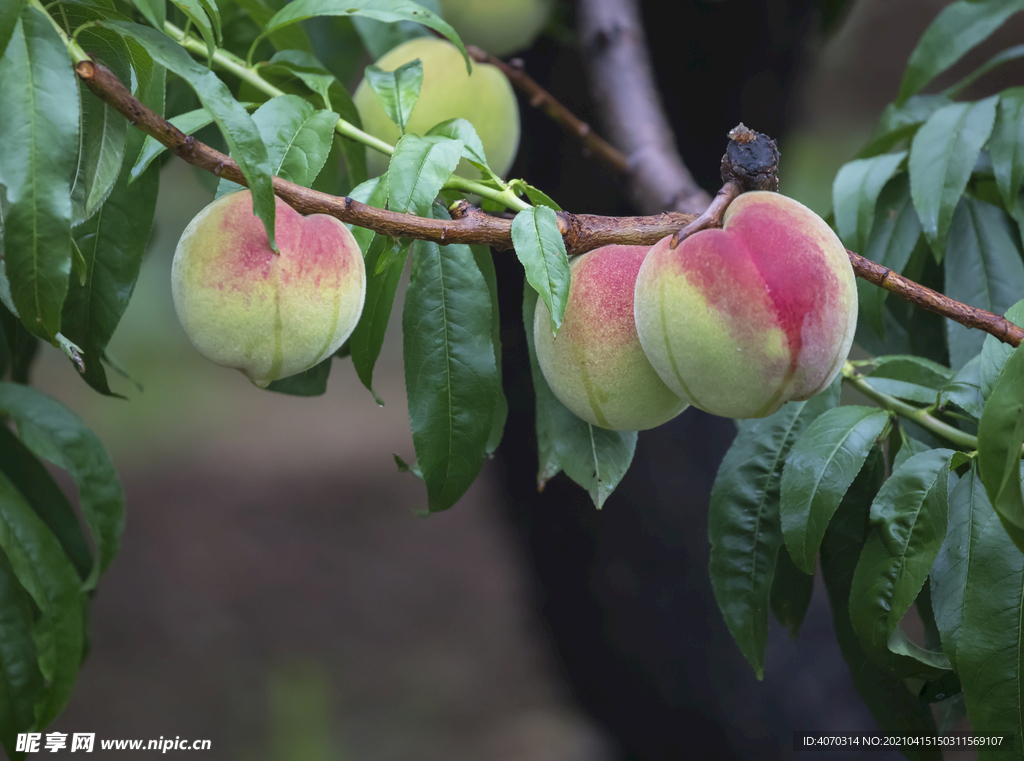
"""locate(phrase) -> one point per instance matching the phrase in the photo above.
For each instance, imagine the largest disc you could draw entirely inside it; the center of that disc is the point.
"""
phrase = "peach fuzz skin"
(268, 315)
(741, 320)
(596, 366)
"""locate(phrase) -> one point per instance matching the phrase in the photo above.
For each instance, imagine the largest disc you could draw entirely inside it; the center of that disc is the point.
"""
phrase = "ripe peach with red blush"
(268, 315)
(596, 366)
(740, 320)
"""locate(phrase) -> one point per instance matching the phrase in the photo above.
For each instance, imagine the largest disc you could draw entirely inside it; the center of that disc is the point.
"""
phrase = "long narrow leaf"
(908, 525)
(57, 434)
(887, 697)
(541, 250)
(450, 374)
(989, 653)
(44, 571)
(388, 11)
(820, 468)
(39, 125)
(942, 157)
(956, 30)
(983, 269)
(743, 521)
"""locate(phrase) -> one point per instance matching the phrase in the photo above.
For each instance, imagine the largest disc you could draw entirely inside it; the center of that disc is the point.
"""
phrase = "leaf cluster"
(912, 508)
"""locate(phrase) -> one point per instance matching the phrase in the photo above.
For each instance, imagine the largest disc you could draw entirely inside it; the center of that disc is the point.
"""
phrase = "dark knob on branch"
(751, 160)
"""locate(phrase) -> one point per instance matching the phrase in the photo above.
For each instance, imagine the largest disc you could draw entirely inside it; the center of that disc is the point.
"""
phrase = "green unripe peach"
(741, 320)
(500, 27)
(596, 366)
(268, 315)
(484, 98)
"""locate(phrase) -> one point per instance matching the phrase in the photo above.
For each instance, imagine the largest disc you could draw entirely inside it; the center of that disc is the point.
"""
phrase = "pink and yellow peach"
(741, 320)
(596, 366)
(268, 315)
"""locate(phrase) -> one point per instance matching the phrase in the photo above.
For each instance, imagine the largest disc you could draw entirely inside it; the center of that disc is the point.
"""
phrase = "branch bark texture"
(540, 98)
(581, 232)
(622, 83)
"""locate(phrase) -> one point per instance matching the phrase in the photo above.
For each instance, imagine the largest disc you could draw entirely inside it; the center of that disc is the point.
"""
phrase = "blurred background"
(277, 591)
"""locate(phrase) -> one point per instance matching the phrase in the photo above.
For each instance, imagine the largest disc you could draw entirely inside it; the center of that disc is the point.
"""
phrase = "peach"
(741, 320)
(596, 366)
(484, 98)
(268, 315)
(500, 27)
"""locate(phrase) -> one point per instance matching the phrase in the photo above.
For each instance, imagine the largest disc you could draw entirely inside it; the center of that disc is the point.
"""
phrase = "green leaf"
(388, 11)
(915, 379)
(21, 682)
(311, 382)
(242, 136)
(957, 29)
(39, 125)
(819, 469)
(296, 64)
(54, 432)
(290, 38)
(44, 571)
(484, 260)
(894, 234)
(983, 269)
(907, 527)
(298, 137)
(450, 374)
(1007, 146)
(472, 147)
(964, 389)
(372, 192)
(103, 131)
(20, 346)
(895, 709)
(744, 525)
(537, 196)
(31, 478)
(855, 193)
(196, 14)
(398, 90)
(419, 167)
(1000, 436)
(307, 68)
(595, 458)
(951, 573)
(994, 353)
(368, 337)
(189, 122)
(988, 644)
(378, 38)
(942, 157)
(155, 11)
(540, 248)
(909, 446)
(791, 593)
(10, 12)
(899, 123)
(113, 243)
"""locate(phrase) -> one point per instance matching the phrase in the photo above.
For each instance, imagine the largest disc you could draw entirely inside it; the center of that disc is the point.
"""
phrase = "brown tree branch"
(622, 83)
(581, 232)
(933, 301)
(542, 99)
